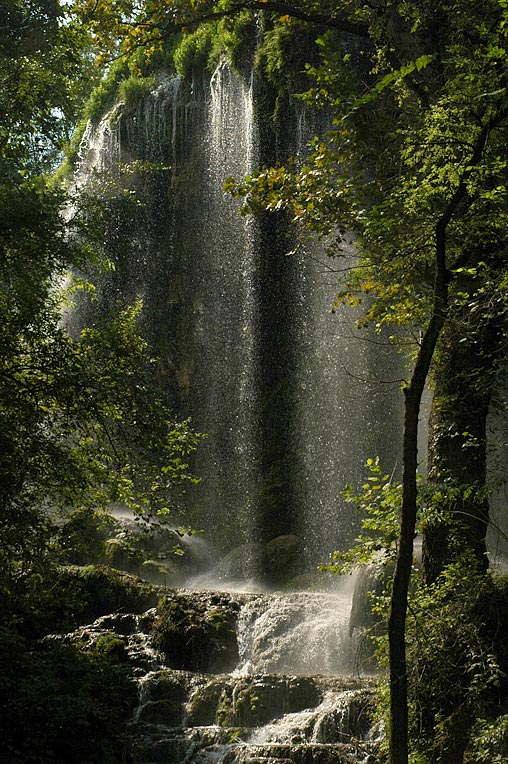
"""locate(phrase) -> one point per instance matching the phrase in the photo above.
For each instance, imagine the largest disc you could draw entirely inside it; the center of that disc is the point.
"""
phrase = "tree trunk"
(399, 737)
(464, 383)
(399, 749)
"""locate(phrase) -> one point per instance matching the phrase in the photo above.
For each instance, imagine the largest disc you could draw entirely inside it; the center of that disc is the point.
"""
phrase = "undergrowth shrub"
(456, 634)
(63, 703)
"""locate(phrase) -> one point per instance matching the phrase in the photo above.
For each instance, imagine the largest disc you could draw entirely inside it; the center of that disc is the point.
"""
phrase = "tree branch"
(333, 19)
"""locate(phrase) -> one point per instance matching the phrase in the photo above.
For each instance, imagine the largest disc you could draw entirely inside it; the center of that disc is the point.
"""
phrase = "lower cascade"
(244, 679)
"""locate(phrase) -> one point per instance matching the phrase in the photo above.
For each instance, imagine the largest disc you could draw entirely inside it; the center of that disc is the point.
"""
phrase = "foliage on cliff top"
(202, 49)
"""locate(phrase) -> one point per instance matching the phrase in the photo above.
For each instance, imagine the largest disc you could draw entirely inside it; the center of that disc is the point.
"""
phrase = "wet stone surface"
(244, 715)
(187, 716)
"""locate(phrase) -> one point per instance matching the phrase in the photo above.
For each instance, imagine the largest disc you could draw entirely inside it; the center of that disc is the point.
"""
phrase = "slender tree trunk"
(399, 745)
(399, 735)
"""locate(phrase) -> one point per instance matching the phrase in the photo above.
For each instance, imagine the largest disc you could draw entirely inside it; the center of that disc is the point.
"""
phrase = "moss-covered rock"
(160, 751)
(253, 701)
(205, 702)
(165, 685)
(281, 557)
(119, 554)
(197, 632)
(167, 712)
(82, 594)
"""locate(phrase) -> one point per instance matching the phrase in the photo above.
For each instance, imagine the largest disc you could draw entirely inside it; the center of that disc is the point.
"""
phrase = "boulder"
(281, 558)
(242, 563)
(197, 632)
(255, 700)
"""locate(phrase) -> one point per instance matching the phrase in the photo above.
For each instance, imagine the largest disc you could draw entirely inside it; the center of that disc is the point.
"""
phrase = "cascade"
(225, 356)
(292, 398)
(226, 686)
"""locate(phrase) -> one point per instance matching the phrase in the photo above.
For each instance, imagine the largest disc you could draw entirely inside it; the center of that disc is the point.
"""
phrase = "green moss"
(203, 49)
(111, 646)
(116, 82)
(223, 713)
(236, 38)
(205, 703)
(75, 595)
(132, 90)
(105, 590)
(194, 50)
(196, 634)
(104, 95)
(253, 701)
(100, 100)
(279, 60)
(71, 153)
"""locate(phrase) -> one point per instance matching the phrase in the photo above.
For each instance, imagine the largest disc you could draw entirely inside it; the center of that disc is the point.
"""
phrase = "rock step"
(186, 718)
(179, 750)
(182, 699)
(153, 744)
(311, 753)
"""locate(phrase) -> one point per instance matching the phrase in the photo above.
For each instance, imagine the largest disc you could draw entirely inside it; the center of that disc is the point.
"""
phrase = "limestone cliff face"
(247, 344)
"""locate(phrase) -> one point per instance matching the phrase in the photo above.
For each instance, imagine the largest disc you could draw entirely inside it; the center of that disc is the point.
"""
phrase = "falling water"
(296, 633)
(260, 710)
(292, 398)
(348, 405)
(249, 348)
(225, 356)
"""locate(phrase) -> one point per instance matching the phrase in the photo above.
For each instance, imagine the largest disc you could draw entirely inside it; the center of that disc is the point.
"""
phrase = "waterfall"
(250, 349)
(296, 634)
(292, 398)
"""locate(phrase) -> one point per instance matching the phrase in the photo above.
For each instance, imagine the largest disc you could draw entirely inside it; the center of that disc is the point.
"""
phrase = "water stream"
(293, 400)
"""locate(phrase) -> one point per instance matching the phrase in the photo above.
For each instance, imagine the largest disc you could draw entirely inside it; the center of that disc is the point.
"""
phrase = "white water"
(197, 265)
(226, 308)
(285, 694)
(331, 719)
(297, 633)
